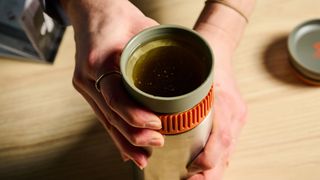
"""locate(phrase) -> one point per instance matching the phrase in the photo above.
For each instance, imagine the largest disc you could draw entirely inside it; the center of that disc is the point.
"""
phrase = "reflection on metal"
(26, 32)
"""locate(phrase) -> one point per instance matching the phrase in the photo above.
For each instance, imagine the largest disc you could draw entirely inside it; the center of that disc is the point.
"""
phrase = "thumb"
(218, 144)
(208, 158)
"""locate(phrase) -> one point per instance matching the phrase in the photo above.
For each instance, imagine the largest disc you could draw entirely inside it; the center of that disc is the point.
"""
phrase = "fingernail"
(140, 166)
(158, 142)
(125, 158)
(153, 124)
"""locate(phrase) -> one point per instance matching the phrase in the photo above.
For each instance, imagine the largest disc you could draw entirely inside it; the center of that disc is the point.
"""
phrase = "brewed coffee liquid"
(169, 67)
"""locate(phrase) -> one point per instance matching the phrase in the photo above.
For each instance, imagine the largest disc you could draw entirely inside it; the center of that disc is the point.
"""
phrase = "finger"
(198, 176)
(125, 158)
(218, 143)
(137, 154)
(236, 122)
(116, 97)
(136, 136)
(212, 174)
(218, 172)
(231, 102)
(208, 158)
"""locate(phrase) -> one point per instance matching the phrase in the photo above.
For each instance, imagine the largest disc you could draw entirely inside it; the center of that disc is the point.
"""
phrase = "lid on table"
(304, 48)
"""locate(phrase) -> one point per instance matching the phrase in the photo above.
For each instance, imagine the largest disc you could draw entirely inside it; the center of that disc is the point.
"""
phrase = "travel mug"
(169, 70)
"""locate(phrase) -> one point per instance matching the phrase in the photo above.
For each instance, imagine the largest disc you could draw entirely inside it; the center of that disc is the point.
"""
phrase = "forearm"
(224, 23)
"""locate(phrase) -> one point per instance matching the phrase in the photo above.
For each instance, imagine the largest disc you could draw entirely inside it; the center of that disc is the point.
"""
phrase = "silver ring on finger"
(97, 83)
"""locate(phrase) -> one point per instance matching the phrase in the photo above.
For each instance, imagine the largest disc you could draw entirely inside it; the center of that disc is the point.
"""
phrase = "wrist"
(244, 6)
(226, 21)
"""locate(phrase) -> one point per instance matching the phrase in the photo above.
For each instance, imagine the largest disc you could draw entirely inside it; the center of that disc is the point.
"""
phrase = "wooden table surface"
(47, 130)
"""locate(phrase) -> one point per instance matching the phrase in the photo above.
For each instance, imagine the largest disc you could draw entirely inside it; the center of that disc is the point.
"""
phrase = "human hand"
(229, 118)
(229, 107)
(102, 28)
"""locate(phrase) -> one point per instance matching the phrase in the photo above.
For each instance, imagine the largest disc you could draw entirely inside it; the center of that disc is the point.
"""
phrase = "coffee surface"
(169, 68)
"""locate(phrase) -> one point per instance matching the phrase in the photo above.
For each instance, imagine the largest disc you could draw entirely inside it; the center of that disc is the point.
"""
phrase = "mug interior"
(169, 64)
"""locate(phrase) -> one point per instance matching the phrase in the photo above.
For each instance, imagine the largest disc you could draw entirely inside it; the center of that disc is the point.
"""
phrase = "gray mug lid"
(304, 48)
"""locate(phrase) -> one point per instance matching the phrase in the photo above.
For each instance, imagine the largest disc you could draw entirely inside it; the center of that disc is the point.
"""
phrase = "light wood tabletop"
(48, 131)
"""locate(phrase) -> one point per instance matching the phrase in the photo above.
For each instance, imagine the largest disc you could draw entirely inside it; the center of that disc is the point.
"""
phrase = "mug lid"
(304, 48)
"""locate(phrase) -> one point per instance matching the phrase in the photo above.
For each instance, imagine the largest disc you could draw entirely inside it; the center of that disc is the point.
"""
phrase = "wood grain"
(47, 131)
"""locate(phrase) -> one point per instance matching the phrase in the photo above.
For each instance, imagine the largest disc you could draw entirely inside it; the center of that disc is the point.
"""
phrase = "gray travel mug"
(169, 69)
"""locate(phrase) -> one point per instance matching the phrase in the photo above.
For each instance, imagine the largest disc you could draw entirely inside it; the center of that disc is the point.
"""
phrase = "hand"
(102, 28)
(229, 107)
(230, 116)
